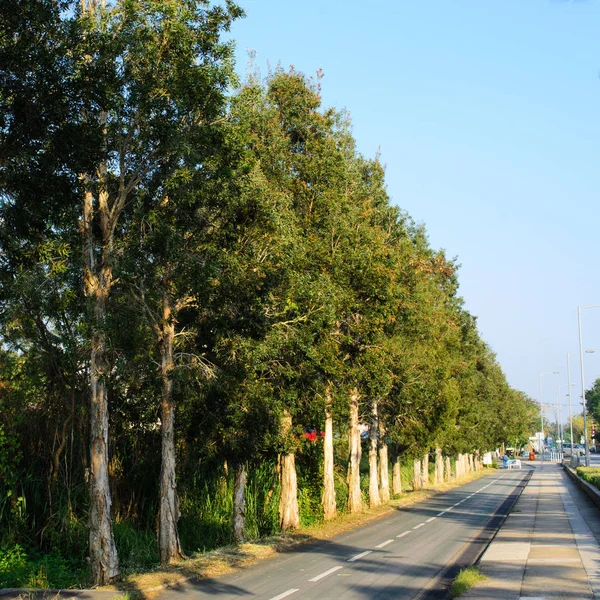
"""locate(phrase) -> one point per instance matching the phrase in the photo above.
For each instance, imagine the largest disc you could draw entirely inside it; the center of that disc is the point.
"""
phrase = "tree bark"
(417, 475)
(169, 545)
(289, 516)
(448, 470)
(104, 563)
(239, 504)
(354, 493)
(459, 466)
(439, 466)
(374, 498)
(425, 476)
(328, 500)
(396, 477)
(384, 476)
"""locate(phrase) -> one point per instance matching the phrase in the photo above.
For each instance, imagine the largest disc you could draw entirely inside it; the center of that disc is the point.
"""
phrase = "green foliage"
(590, 474)
(18, 569)
(465, 580)
(291, 278)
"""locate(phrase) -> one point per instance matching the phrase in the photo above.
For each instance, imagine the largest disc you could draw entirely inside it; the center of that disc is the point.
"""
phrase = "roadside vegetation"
(215, 326)
(590, 474)
(465, 580)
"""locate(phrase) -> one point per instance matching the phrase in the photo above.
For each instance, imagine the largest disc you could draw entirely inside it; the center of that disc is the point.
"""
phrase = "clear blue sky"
(487, 115)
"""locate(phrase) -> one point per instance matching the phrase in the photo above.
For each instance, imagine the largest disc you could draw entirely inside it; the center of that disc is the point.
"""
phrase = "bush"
(17, 569)
(590, 474)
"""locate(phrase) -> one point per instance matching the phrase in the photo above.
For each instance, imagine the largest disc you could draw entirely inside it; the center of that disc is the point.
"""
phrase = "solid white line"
(403, 534)
(284, 595)
(384, 543)
(360, 555)
(441, 513)
(332, 570)
(430, 519)
(419, 525)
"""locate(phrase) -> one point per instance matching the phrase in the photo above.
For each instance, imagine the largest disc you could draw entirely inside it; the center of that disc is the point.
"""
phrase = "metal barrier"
(555, 457)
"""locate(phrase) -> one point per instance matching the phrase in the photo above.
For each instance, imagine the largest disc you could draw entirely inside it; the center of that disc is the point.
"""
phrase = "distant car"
(574, 450)
(524, 454)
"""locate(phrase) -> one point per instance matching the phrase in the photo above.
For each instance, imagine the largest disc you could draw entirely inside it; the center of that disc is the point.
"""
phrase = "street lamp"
(560, 424)
(570, 405)
(587, 448)
(542, 410)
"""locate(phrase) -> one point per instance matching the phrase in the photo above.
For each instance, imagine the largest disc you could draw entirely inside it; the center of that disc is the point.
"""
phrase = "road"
(413, 553)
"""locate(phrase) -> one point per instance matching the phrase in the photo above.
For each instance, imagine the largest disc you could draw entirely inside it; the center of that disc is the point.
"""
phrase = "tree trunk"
(354, 493)
(470, 459)
(104, 563)
(439, 466)
(168, 537)
(328, 500)
(425, 476)
(396, 477)
(459, 466)
(448, 470)
(374, 499)
(289, 516)
(417, 475)
(239, 504)
(384, 476)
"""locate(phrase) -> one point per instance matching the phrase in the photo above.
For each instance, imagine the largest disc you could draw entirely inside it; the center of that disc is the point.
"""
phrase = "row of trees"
(167, 247)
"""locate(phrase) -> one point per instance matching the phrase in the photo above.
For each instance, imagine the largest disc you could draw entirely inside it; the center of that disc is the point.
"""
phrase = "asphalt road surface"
(413, 553)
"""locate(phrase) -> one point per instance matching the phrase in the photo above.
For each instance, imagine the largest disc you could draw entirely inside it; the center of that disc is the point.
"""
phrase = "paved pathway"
(548, 547)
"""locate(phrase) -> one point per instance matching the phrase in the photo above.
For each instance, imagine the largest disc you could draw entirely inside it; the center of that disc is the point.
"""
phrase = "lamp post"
(560, 423)
(570, 405)
(542, 410)
(587, 448)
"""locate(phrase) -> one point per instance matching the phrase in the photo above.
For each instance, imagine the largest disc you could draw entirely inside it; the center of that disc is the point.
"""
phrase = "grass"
(150, 584)
(465, 580)
(205, 529)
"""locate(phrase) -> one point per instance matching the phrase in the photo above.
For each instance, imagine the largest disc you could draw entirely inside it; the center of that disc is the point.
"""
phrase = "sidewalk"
(548, 546)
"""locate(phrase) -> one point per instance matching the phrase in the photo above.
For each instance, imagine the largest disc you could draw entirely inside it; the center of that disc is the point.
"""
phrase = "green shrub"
(13, 566)
(590, 474)
(17, 569)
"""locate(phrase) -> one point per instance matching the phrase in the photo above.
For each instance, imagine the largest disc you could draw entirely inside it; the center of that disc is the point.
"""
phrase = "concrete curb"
(587, 488)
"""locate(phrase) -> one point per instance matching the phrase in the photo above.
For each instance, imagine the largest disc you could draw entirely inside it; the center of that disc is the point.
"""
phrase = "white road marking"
(419, 525)
(441, 513)
(403, 533)
(285, 594)
(384, 543)
(360, 555)
(430, 519)
(332, 570)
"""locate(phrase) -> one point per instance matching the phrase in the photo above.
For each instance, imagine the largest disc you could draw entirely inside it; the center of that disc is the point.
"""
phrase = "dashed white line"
(383, 544)
(403, 533)
(419, 525)
(285, 594)
(441, 513)
(430, 519)
(360, 555)
(329, 572)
